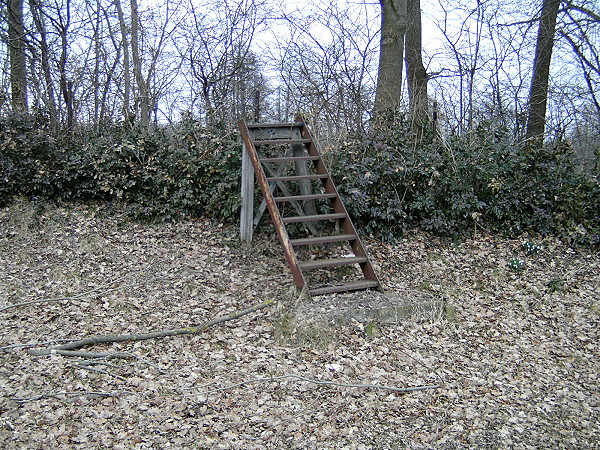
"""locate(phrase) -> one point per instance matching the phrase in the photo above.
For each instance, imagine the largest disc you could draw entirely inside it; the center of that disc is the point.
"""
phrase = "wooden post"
(247, 194)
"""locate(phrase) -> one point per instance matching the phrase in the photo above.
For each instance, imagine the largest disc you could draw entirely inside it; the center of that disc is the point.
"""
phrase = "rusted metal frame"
(316, 176)
(338, 206)
(273, 210)
(289, 159)
(281, 141)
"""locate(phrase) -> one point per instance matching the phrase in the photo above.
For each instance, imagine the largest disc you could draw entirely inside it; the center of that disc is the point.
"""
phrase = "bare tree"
(142, 96)
(125, 51)
(578, 28)
(326, 61)
(217, 51)
(49, 92)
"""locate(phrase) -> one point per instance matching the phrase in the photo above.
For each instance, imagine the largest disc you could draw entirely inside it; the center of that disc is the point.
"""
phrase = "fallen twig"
(84, 354)
(144, 336)
(33, 344)
(95, 369)
(76, 394)
(76, 296)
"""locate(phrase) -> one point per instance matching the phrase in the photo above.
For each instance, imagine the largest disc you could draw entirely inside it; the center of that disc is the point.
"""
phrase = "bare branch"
(151, 335)
(69, 396)
(56, 299)
(102, 371)
(588, 12)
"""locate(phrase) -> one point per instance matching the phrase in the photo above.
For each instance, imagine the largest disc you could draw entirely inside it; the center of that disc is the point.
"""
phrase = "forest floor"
(512, 357)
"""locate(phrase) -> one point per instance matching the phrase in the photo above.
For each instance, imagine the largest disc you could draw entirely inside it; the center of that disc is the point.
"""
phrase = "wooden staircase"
(301, 197)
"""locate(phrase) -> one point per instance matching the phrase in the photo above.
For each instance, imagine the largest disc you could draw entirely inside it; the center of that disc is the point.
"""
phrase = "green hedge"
(389, 183)
(482, 180)
(168, 173)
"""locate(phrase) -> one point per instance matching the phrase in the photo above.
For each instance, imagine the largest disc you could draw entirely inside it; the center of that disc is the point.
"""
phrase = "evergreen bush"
(187, 170)
(390, 185)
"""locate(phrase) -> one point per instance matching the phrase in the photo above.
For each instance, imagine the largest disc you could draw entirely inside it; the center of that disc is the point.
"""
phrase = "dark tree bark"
(16, 48)
(538, 95)
(142, 97)
(391, 55)
(415, 70)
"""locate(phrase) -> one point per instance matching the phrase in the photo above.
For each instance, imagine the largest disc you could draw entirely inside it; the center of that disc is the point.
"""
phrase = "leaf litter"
(514, 353)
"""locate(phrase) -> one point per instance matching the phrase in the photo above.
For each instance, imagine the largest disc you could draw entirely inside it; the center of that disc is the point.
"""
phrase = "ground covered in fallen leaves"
(512, 354)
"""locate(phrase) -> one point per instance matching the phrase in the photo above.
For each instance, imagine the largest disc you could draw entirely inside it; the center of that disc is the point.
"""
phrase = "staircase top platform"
(275, 125)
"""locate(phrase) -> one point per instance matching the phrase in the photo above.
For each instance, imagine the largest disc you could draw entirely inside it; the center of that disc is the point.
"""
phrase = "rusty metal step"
(298, 198)
(314, 218)
(291, 158)
(317, 176)
(303, 151)
(346, 287)
(332, 262)
(322, 239)
(281, 141)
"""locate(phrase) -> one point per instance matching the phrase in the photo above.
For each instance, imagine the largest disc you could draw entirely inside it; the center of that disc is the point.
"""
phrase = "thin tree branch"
(76, 296)
(87, 394)
(152, 335)
(588, 12)
(57, 299)
(33, 344)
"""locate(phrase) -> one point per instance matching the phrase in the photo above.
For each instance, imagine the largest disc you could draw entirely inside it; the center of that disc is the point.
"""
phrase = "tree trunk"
(66, 86)
(391, 55)
(126, 69)
(538, 95)
(142, 89)
(415, 70)
(50, 96)
(97, 57)
(16, 48)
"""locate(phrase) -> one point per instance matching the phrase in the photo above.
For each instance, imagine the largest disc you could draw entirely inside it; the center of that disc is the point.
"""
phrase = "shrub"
(162, 175)
(27, 153)
(391, 185)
